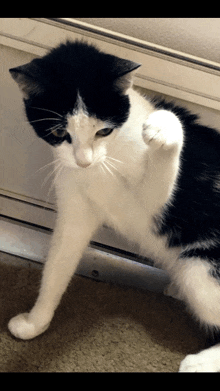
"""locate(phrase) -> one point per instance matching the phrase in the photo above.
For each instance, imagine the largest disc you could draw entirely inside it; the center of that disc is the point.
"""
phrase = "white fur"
(206, 361)
(122, 180)
(199, 289)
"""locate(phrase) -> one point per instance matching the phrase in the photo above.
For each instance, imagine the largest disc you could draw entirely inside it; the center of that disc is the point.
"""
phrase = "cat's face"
(88, 139)
(75, 99)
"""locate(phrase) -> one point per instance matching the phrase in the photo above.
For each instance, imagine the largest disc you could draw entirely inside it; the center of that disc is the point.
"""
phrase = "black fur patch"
(70, 69)
(212, 338)
(194, 214)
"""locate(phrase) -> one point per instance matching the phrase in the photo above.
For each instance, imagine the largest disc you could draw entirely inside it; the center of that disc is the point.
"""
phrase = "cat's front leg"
(163, 130)
(163, 136)
(69, 241)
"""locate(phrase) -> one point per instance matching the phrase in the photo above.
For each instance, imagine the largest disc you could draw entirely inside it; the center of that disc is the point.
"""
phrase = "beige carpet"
(98, 327)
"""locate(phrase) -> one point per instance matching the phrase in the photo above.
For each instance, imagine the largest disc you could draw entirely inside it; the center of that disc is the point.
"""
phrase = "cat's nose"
(84, 165)
(84, 157)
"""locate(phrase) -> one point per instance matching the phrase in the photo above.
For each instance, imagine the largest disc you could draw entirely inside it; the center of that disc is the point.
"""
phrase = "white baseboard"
(32, 244)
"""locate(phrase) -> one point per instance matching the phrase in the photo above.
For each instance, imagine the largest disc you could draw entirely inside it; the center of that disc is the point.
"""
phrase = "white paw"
(21, 327)
(162, 129)
(199, 363)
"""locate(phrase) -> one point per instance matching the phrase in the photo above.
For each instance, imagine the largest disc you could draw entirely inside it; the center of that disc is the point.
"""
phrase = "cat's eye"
(104, 132)
(59, 132)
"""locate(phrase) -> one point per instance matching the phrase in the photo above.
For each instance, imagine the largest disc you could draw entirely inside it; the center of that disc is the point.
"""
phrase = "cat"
(145, 167)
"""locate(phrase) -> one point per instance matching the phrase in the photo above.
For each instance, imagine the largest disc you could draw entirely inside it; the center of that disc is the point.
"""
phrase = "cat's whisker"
(107, 165)
(15, 138)
(116, 160)
(50, 111)
(48, 165)
(107, 168)
(58, 172)
(102, 168)
(44, 119)
(48, 176)
(53, 128)
(61, 167)
(112, 165)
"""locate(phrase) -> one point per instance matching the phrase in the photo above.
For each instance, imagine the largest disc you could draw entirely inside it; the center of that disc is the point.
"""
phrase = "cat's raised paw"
(162, 129)
(21, 327)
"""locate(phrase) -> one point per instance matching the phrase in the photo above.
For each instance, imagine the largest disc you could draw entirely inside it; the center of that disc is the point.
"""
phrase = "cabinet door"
(22, 153)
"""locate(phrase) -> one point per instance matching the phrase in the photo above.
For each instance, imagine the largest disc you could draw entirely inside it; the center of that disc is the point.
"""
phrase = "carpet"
(98, 327)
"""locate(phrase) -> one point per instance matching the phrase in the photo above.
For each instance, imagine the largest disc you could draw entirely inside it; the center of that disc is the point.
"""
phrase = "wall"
(195, 36)
(21, 152)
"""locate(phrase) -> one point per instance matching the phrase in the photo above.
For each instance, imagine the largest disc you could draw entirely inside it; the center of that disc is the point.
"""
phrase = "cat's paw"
(200, 362)
(162, 129)
(21, 327)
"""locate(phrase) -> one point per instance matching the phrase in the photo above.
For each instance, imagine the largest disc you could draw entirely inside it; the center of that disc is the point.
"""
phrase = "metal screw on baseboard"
(95, 273)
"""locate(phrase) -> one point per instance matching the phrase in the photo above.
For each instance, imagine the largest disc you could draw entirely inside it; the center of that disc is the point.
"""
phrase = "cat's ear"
(28, 78)
(125, 74)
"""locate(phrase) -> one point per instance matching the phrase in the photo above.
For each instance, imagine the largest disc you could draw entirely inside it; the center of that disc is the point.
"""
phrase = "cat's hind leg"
(200, 288)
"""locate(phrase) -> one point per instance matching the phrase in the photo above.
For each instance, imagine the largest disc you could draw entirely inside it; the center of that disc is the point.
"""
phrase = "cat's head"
(76, 98)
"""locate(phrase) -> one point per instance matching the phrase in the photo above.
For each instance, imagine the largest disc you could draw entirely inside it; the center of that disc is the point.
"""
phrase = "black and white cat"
(146, 168)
